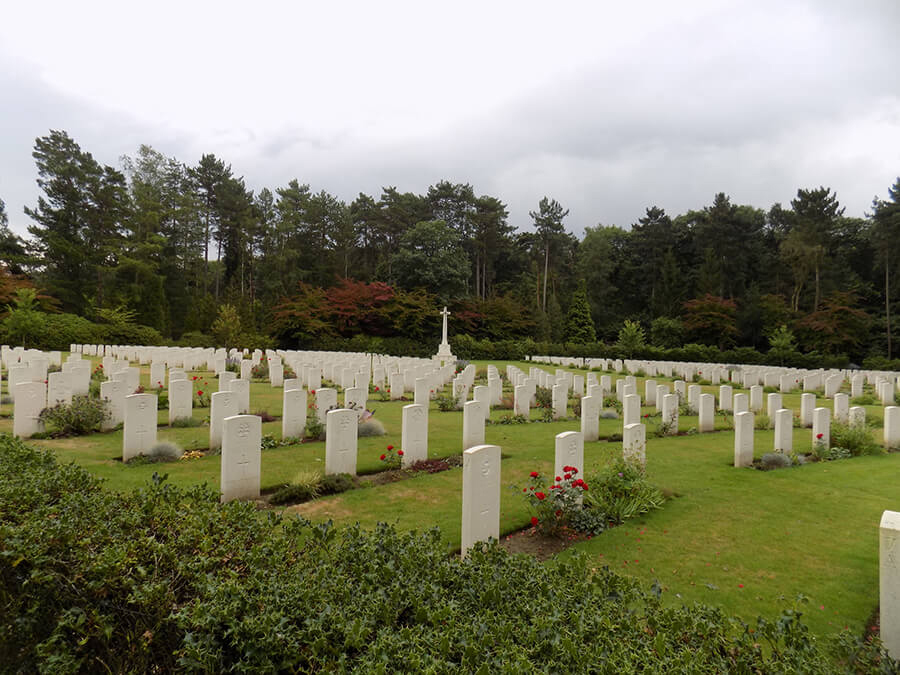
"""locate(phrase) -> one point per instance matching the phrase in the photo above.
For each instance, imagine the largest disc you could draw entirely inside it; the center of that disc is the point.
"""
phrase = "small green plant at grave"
(857, 440)
(446, 402)
(336, 483)
(547, 415)
(384, 394)
(865, 399)
(233, 365)
(96, 374)
(555, 501)
(291, 440)
(314, 429)
(93, 389)
(775, 460)
(186, 422)
(576, 405)
(622, 491)
(162, 400)
(268, 441)
(797, 423)
(544, 397)
(704, 382)
(762, 422)
(770, 390)
(200, 399)
(640, 373)
(513, 419)
(727, 419)
(82, 416)
(391, 459)
(897, 398)
(305, 487)
(614, 403)
(260, 371)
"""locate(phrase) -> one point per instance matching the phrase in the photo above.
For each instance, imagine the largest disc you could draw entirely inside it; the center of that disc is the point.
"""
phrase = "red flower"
(199, 393)
(558, 513)
(584, 487)
(382, 457)
(740, 585)
(100, 365)
(567, 476)
(390, 447)
(558, 479)
(194, 377)
(579, 482)
(573, 470)
(312, 391)
(534, 474)
(376, 388)
(400, 452)
(534, 521)
(819, 436)
(540, 495)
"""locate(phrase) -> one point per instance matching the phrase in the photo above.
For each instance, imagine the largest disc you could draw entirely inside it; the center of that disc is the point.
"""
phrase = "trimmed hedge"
(166, 579)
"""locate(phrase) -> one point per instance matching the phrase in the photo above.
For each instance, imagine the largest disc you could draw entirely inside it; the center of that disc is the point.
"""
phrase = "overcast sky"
(607, 107)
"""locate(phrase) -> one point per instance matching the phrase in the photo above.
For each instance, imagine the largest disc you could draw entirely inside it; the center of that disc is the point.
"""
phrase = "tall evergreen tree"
(579, 324)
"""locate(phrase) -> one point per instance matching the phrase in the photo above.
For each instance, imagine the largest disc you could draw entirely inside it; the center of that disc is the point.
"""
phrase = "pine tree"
(579, 324)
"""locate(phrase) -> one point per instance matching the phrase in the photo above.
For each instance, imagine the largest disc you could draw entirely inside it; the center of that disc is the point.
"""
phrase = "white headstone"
(670, 413)
(889, 582)
(743, 439)
(414, 434)
(114, 393)
(473, 425)
(139, 434)
(180, 400)
(59, 389)
(276, 374)
(522, 396)
(396, 380)
(481, 495)
(821, 431)
(326, 399)
(157, 375)
(631, 410)
(634, 442)
(355, 399)
(756, 398)
(225, 377)
(241, 389)
(773, 405)
(422, 391)
(293, 413)
(241, 457)
(27, 407)
(841, 408)
(482, 394)
(590, 418)
(341, 427)
(857, 416)
(569, 451)
(784, 430)
(707, 413)
(222, 404)
(740, 403)
(246, 369)
(892, 427)
(725, 392)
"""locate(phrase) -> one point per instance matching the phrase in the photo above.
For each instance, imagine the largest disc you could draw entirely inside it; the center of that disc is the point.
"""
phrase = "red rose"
(579, 482)
(312, 391)
(376, 388)
(534, 521)
(558, 479)
(573, 470)
(534, 474)
(199, 393)
(540, 495)
(819, 436)
(390, 447)
(382, 457)
(584, 487)
(558, 513)
(400, 452)
(568, 476)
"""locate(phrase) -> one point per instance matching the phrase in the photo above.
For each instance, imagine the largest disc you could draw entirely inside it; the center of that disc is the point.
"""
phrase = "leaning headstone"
(241, 457)
(341, 427)
(590, 418)
(569, 451)
(139, 434)
(414, 434)
(114, 393)
(743, 439)
(634, 443)
(481, 495)
(889, 582)
(222, 404)
(27, 407)
(180, 400)
(892, 427)
(707, 413)
(784, 431)
(293, 413)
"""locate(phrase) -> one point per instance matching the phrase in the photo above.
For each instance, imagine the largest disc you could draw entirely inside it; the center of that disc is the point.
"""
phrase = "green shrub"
(622, 492)
(856, 440)
(446, 402)
(762, 422)
(314, 428)
(544, 397)
(82, 416)
(186, 422)
(775, 460)
(167, 579)
(292, 494)
(865, 399)
(165, 451)
(336, 483)
(371, 427)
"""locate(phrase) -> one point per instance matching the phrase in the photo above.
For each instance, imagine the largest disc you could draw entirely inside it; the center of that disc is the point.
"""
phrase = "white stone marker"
(857, 416)
(670, 413)
(694, 392)
(590, 418)
(139, 434)
(807, 405)
(246, 369)
(241, 457)
(661, 392)
(293, 413)
(725, 392)
(157, 374)
(422, 391)
(114, 393)
(560, 395)
(276, 374)
(773, 405)
(821, 429)
(743, 439)
(521, 396)
(784, 431)
(707, 413)
(326, 399)
(856, 385)
(482, 394)
(180, 400)
(481, 495)
(315, 379)
(892, 427)
(756, 398)
(473, 425)
(27, 406)
(225, 377)
(16, 375)
(740, 403)
(355, 399)
(341, 427)
(414, 433)
(396, 380)
(495, 384)
(650, 392)
(631, 410)
(222, 404)
(59, 389)
(841, 408)
(241, 389)
(569, 452)
(578, 385)
(889, 581)
(634, 442)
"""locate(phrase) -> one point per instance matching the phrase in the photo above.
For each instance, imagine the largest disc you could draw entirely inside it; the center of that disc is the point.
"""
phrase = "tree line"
(172, 244)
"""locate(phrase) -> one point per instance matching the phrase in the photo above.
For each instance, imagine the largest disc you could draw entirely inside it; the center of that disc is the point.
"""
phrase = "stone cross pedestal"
(444, 355)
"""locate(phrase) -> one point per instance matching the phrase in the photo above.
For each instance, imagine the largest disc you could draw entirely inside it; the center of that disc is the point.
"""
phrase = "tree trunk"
(546, 267)
(816, 302)
(887, 298)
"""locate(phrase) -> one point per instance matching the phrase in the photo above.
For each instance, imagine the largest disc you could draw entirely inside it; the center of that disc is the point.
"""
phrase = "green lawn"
(746, 540)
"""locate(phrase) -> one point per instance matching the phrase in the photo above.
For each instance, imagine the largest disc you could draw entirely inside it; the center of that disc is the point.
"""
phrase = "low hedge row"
(166, 579)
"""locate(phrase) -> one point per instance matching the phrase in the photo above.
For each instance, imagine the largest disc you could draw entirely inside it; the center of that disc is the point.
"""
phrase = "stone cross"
(444, 314)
